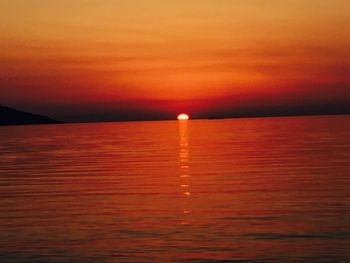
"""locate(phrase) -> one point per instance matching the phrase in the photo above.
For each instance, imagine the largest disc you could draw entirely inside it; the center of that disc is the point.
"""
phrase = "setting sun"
(183, 117)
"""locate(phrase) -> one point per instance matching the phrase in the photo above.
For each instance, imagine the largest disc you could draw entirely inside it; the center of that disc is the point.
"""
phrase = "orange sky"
(93, 59)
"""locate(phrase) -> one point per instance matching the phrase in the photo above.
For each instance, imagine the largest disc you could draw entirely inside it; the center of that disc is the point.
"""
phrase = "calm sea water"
(246, 190)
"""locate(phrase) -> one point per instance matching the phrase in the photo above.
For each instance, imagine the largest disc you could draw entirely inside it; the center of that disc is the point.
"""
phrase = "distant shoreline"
(19, 118)
(13, 117)
(197, 119)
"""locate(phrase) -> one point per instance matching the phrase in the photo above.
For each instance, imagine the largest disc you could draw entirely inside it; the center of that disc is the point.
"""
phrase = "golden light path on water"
(184, 167)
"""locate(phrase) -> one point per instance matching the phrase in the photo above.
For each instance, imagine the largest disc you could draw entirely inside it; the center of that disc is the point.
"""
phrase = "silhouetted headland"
(9, 116)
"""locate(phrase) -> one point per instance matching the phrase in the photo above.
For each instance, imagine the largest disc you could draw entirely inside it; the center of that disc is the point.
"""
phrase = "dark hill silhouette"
(9, 116)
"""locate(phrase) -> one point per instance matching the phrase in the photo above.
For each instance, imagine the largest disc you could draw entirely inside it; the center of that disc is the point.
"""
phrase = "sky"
(94, 60)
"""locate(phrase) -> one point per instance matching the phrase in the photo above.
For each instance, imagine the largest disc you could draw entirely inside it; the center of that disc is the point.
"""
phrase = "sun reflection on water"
(184, 165)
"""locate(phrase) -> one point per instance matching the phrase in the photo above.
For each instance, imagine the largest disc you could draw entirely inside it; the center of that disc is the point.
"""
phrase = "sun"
(183, 117)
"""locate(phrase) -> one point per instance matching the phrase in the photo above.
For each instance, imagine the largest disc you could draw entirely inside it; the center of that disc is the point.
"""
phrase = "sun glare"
(183, 117)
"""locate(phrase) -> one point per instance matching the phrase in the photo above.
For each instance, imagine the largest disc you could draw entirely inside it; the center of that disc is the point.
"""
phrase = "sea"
(230, 190)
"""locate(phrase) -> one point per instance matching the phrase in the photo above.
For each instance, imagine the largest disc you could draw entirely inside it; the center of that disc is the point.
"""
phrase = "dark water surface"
(245, 190)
